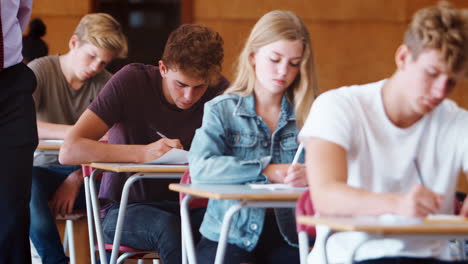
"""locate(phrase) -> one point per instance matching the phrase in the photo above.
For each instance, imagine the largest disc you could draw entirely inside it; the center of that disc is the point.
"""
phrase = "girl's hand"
(296, 175)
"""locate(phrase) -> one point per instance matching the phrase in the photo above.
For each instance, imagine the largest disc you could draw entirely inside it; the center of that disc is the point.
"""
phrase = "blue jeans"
(43, 231)
(271, 249)
(153, 226)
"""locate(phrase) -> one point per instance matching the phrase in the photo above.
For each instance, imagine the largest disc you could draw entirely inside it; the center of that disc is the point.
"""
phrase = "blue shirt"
(233, 146)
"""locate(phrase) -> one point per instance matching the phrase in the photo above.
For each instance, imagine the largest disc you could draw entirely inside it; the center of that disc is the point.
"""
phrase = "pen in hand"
(295, 179)
(298, 154)
(160, 134)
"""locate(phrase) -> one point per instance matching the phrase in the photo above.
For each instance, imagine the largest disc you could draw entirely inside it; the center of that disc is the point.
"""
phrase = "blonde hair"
(102, 31)
(443, 28)
(273, 26)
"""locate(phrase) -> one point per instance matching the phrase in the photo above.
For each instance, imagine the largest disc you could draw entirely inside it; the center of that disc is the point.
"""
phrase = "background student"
(33, 45)
(66, 84)
(249, 134)
(18, 133)
(369, 146)
(137, 103)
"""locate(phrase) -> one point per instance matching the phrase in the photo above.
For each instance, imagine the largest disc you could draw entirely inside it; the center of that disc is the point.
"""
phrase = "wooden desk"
(48, 147)
(380, 229)
(141, 171)
(248, 198)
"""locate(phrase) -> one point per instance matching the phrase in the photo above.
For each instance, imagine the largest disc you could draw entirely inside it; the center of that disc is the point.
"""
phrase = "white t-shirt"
(381, 159)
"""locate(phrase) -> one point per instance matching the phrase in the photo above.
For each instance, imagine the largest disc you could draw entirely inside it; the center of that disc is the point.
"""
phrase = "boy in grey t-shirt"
(66, 85)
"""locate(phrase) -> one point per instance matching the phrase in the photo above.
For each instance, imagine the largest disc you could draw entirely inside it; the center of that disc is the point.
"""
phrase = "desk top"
(376, 225)
(138, 167)
(49, 144)
(236, 192)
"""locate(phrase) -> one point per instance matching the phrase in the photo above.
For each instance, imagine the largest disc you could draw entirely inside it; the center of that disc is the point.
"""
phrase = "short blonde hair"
(102, 31)
(274, 26)
(443, 28)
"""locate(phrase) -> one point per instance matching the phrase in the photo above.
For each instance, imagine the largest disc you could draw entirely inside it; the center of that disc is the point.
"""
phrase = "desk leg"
(353, 253)
(323, 244)
(89, 215)
(97, 219)
(121, 217)
(223, 239)
(188, 247)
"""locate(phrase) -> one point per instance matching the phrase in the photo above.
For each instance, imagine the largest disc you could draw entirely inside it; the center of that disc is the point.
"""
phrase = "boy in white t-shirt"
(365, 144)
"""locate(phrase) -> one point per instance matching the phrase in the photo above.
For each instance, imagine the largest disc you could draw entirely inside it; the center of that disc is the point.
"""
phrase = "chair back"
(304, 207)
(197, 202)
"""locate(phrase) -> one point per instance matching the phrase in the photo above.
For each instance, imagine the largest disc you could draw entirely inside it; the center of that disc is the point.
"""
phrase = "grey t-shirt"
(56, 102)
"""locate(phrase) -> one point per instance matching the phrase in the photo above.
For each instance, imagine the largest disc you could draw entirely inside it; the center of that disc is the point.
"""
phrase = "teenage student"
(140, 103)
(18, 133)
(249, 135)
(66, 84)
(395, 146)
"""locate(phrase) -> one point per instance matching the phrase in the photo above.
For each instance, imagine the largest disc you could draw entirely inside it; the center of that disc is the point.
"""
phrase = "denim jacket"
(233, 146)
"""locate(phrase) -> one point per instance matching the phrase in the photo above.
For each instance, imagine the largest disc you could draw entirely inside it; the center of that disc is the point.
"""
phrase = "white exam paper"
(275, 186)
(173, 156)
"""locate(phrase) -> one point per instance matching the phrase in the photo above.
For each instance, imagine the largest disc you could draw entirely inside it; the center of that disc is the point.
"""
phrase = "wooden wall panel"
(353, 53)
(342, 10)
(59, 31)
(61, 8)
(61, 18)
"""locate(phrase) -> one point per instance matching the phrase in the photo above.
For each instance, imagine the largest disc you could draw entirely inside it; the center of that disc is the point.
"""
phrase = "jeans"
(407, 260)
(43, 231)
(153, 226)
(271, 249)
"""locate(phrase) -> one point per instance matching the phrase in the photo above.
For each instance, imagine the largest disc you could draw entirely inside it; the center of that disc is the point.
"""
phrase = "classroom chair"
(123, 251)
(304, 206)
(68, 233)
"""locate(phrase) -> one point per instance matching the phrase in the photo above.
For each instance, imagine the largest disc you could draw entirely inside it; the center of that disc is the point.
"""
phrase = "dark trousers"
(18, 140)
(407, 260)
(153, 226)
(271, 249)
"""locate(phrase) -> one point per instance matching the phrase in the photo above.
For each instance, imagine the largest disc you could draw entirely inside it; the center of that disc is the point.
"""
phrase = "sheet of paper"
(275, 186)
(398, 219)
(173, 156)
(445, 218)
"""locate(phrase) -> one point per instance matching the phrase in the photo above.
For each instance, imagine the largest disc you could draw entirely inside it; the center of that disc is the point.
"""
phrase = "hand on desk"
(157, 149)
(64, 198)
(419, 202)
(294, 175)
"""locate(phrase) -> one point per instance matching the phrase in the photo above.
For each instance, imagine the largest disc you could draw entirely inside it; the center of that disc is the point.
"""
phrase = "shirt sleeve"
(24, 13)
(207, 159)
(330, 118)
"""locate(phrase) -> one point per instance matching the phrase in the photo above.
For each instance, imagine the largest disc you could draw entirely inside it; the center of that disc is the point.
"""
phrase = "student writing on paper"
(249, 135)
(362, 142)
(66, 84)
(139, 101)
